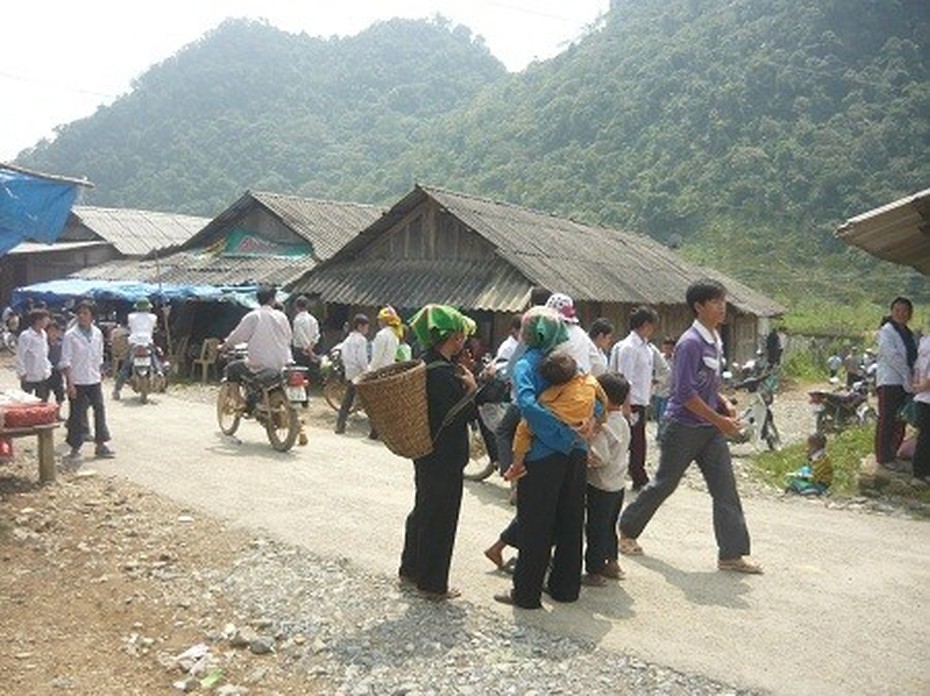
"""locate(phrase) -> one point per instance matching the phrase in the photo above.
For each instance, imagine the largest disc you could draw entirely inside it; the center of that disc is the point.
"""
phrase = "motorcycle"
(756, 416)
(144, 378)
(836, 410)
(271, 397)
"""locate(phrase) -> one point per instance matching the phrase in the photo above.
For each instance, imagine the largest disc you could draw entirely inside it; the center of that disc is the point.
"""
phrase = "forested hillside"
(742, 131)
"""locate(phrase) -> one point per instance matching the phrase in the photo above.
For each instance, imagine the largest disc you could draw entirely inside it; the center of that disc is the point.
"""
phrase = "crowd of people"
(571, 432)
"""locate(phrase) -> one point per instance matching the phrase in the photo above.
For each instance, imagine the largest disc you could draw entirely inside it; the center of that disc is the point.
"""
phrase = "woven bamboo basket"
(394, 398)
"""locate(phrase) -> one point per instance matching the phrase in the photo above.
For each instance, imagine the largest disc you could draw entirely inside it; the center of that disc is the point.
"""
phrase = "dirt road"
(844, 604)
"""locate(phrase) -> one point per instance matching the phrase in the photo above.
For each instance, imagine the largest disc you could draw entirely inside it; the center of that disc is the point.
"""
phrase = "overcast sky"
(64, 59)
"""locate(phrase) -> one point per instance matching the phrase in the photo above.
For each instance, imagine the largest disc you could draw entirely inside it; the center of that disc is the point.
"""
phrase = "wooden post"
(46, 455)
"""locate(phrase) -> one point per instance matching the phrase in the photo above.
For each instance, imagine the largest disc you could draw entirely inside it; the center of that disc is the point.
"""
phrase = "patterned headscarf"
(543, 328)
(391, 318)
(435, 323)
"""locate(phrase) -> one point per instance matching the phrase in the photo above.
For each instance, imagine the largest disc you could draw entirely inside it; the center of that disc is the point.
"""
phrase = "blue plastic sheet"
(32, 207)
(58, 293)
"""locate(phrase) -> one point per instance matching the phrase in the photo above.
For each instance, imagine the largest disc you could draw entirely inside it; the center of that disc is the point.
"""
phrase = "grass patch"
(845, 449)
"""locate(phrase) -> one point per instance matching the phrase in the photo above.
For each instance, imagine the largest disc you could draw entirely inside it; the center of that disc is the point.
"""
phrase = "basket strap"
(457, 407)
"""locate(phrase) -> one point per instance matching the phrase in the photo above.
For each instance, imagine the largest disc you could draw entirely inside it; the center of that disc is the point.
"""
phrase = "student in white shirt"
(634, 358)
(354, 362)
(306, 332)
(81, 358)
(32, 364)
(385, 344)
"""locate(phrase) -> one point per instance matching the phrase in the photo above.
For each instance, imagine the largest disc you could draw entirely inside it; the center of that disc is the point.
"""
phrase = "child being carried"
(571, 398)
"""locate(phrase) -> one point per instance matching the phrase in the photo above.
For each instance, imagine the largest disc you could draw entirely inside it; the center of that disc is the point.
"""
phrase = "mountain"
(742, 133)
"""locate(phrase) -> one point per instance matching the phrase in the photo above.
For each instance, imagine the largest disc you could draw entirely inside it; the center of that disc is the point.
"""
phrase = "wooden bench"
(44, 433)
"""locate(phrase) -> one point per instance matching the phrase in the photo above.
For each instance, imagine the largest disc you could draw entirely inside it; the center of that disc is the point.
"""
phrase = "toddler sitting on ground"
(815, 477)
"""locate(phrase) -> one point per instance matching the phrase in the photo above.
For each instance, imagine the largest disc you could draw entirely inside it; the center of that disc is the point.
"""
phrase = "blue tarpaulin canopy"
(33, 206)
(57, 293)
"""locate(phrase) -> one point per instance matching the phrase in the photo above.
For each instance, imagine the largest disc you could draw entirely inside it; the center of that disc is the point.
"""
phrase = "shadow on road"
(706, 588)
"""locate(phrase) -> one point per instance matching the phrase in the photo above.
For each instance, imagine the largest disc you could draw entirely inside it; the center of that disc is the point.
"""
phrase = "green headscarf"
(543, 328)
(435, 323)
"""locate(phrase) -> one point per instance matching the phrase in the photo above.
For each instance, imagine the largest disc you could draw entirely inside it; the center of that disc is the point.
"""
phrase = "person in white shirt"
(386, 341)
(588, 357)
(81, 358)
(267, 335)
(32, 364)
(385, 344)
(601, 334)
(141, 326)
(306, 332)
(634, 358)
(354, 351)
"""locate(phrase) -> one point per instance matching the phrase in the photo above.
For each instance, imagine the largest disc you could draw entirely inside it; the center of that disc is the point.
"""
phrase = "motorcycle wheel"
(144, 390)
(822, 423)
(281, 424)
(868, 416)
(227, 408)
(9, 341)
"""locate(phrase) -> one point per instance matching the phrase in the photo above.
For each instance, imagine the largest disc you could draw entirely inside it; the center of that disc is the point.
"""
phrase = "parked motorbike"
(270, 397)
(836, 410)
(758, 422)
(144, 378)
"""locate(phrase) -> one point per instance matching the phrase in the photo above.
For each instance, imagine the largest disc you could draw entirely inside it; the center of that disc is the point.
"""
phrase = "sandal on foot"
(505, 598)
(629, 547)
(739, 565)
(450, 593)
(593, 580)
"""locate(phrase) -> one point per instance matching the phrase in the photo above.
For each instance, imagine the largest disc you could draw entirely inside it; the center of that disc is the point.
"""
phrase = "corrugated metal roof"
(326, 225)
(495, 285)
(898, 232)
(586, 262)
(193, 268)
(139, 232)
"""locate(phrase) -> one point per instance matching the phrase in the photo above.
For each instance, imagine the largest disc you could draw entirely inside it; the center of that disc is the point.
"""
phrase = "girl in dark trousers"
(431, 526)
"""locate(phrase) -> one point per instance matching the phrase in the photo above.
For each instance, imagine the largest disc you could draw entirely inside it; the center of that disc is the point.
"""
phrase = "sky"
(64, 59)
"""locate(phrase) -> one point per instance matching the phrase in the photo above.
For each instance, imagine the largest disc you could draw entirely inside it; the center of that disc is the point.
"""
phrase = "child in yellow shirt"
(571, 398)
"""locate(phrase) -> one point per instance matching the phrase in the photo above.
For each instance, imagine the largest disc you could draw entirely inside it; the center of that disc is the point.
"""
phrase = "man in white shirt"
(81, 358)
(141, 325)
(633, 357)
(267, 335)
(354, 361)
(306, 332)
(32, 364)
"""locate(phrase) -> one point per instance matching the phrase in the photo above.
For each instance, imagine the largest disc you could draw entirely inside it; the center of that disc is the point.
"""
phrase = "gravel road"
(843, 605)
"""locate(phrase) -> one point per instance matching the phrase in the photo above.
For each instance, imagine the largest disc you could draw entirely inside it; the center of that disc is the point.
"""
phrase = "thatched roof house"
(487, 256)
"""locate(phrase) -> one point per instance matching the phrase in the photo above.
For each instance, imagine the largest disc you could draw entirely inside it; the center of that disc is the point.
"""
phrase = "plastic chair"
(209, 352)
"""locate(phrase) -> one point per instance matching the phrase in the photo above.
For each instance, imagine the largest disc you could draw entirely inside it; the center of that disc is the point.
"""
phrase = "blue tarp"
(57, 293)
(32, 207)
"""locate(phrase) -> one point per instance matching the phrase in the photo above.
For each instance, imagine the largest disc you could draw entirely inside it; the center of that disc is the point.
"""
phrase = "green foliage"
(744, 132)
(845, 449)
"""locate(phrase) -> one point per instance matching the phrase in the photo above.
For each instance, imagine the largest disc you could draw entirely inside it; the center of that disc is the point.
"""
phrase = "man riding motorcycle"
(141, 325)
(266, 332)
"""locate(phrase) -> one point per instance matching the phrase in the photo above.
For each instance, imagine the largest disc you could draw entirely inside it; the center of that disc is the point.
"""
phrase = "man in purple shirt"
(699, 419)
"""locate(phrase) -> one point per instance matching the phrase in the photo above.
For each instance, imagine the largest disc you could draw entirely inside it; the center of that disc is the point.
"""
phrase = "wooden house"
(487, 257)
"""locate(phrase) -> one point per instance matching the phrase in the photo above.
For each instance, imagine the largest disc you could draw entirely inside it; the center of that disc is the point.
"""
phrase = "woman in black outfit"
(431, 525)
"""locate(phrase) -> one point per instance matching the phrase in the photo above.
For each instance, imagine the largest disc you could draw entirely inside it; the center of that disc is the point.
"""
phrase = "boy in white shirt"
(81, 358)
(32, 364)
(355, 362)
(607, 463)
